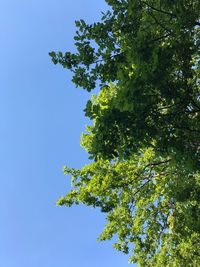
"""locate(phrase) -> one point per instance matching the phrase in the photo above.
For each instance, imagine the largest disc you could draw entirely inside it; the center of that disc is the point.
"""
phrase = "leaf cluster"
(144, 142)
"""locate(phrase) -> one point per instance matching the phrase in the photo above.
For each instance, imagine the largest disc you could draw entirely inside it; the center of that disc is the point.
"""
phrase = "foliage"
(145, 139)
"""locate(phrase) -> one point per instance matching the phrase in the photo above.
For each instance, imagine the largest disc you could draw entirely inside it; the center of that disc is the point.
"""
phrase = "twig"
(159, 10)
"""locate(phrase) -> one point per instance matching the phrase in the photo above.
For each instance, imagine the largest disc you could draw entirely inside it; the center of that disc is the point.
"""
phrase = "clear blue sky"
(41, 119)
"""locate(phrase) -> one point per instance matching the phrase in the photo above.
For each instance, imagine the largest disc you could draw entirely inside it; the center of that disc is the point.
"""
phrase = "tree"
(144, 143)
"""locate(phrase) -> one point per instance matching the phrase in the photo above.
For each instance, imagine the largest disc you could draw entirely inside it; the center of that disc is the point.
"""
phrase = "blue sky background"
(41, 119)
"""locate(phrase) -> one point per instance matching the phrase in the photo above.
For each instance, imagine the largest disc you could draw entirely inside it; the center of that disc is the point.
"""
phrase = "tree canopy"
(144, 142)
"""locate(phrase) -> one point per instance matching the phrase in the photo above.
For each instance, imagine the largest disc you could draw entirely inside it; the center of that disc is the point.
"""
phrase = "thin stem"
(159, 10)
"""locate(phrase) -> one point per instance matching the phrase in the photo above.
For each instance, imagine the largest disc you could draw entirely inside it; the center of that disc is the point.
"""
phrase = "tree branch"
(156, 163)
(159, 38)
(160, 24)
(159, 10)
